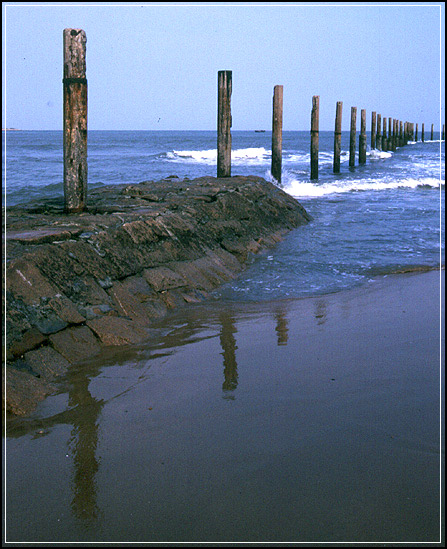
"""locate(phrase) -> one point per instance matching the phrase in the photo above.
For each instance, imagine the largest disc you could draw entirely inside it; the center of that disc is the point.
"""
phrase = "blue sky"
(154, 66)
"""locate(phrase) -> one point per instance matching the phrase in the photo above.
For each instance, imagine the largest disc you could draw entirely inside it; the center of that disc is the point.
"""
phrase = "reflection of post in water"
(84, 441)
(282, 329)
(320, 312)
(228, 343)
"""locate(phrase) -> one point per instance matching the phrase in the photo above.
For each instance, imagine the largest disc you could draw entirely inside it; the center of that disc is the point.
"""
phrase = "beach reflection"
(229, 347)
(282, 329)
(83, 442)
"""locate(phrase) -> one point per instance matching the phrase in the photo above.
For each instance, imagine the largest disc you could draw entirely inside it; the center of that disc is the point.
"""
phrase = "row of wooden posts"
(399, 133)
(75, 127)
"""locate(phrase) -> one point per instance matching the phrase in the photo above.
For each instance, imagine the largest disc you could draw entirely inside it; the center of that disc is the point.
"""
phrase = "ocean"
(375, 219)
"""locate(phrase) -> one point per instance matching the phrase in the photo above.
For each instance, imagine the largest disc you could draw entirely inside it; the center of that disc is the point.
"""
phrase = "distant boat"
(259, 131)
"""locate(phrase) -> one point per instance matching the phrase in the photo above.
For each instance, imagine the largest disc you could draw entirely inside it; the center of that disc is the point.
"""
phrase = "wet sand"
(313, 420)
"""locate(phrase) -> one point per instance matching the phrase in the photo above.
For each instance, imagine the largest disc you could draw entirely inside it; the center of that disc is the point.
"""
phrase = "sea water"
(369, 220)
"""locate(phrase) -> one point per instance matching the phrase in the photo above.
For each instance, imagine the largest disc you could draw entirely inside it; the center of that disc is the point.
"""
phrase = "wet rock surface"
(78, 283)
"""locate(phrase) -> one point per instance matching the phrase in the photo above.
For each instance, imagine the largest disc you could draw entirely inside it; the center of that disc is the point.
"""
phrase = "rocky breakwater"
(78, 283)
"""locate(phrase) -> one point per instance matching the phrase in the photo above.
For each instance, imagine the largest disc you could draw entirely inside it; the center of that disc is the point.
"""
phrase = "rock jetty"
(76, 284)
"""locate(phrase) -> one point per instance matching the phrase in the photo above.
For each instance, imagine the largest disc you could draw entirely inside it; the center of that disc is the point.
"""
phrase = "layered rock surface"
(76, 284)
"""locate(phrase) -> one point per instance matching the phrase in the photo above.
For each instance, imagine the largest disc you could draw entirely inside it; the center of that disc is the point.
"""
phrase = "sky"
(154, 66)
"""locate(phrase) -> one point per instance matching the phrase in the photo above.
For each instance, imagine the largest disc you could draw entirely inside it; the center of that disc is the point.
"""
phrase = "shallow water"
(293, 420)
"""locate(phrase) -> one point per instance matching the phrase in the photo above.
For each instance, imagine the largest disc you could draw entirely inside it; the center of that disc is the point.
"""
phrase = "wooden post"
(401, 134)
(362, 137)
(379, 133)
(277, 133)
(337, 136)
(395, 134)
(423, 132)
(431, 136)
(352, 136)
(373, 130)
(224, 123)
(416, 134)
(384, 139)
(390, 134)
(443, 132)
(75, 121)
(314, 136)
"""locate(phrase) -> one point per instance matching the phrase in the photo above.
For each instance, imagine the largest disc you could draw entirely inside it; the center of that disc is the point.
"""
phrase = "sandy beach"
(310, 420)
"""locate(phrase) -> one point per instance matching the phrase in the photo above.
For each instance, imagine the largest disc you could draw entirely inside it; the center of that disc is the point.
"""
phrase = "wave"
(307, 189)
(252, 155)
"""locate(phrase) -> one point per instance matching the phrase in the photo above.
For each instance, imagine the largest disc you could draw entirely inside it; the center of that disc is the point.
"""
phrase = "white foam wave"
(375, 153)
(253, 155)
(307, 189)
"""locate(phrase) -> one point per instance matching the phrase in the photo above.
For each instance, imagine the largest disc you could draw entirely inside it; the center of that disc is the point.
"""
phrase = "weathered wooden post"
(390, 135)
(362, 137)
(431, 135)
(395, 134)
(337, 136)
(352, 136)
(224, 124)
(401, 134)
(277, 133)
(373, 130)
(384, 139)
(75, 120)
(423, 132)
(443, 132)
(416, 134)
(379, 133)
(314, 136)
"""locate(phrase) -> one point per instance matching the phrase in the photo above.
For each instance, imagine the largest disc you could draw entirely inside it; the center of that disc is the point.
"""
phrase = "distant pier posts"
(75, 120)
(277, 133)
(337, 136)
(390, 134)
(379, 133)
(314, 136)
(362, 137)
(401, 134)
(416, 134)
(431, 134)
(352, 136)
(224, 124)
(373, 130)
(384, 139)
(395, 134)
(423, 133)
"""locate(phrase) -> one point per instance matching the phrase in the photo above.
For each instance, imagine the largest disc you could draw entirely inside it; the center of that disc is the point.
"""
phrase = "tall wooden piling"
(373, 130)
(75, 120)
(224, 83)
(384, 139)
(362, 137)
(423, 133)
(395, 133)
(352, 136)
(416, 133)
(379, 133)
(443, 132)
(401, 134)
(314, 136)
(390, 134)
(431, 135)
(337, 136)
(277, 133)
